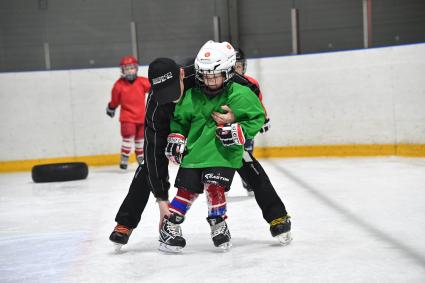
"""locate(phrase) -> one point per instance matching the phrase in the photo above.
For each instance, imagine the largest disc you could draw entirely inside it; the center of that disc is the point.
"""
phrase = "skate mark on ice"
(352, 217)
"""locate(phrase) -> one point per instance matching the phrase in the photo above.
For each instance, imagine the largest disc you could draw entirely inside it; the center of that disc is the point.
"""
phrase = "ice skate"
(170, 236)
(120, 236)
(280, 229)
(124, 162)
(220, 233)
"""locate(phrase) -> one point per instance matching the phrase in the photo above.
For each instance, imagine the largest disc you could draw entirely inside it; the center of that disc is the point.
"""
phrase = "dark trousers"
(267, 199)
(135, 202)
(251, 172)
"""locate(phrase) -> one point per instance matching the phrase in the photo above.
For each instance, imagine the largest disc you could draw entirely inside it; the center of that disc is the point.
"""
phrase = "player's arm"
(248, 112)
(248, 116)
(266, 125)
(179, 128)
(146, 85)
(115, 100)
(224, 118)
(157, 121)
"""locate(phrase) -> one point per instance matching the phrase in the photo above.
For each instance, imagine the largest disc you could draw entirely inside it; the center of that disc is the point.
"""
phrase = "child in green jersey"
(209, 154)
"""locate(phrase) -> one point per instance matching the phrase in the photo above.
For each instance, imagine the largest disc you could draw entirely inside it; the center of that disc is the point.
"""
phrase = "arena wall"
(354, 103)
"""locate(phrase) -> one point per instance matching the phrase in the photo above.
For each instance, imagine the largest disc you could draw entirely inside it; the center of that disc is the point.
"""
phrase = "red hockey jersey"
(131, 98)
(260, 95)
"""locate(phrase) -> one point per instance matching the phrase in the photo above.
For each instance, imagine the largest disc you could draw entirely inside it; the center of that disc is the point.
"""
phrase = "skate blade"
(225, 247)
(284, 238)
(169, 249)
(117, 247)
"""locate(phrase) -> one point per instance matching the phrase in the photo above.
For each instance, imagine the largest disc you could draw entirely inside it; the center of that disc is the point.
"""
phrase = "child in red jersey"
(129, 92)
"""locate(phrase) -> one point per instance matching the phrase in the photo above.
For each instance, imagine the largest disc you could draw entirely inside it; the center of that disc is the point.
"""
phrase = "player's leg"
(138, 142)
(216, 181)
(188, 184)
(272, 207)
(131, 209)
(128, 131)
(249, 147)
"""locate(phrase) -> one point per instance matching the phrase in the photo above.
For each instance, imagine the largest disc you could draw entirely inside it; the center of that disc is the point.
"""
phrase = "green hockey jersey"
(192, 118)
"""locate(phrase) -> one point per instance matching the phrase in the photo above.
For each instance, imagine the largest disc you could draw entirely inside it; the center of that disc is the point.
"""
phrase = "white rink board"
(374, 96)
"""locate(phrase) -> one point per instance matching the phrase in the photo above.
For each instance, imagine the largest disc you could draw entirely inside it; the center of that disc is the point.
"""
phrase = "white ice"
(354, 220)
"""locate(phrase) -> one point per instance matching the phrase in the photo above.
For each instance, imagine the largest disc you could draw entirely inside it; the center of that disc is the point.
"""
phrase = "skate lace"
(173, 229)
(280, 220)
(218, 229)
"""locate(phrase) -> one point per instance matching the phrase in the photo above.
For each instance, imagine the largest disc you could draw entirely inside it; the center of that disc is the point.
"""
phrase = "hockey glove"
(266, 126)
(175, 147)
(110, 111)
(230, 134)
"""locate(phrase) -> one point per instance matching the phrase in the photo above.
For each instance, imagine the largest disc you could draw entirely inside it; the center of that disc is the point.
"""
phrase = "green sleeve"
(182, 116)
(248, 111)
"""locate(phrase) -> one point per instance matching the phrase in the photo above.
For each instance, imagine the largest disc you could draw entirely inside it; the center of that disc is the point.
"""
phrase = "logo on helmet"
(207, 54)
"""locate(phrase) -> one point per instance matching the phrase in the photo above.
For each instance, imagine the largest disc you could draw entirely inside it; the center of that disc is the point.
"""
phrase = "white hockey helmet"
(215, 58)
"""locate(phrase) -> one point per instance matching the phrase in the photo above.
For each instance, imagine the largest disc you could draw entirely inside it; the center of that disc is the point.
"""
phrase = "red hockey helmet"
(128, 60)
(129, 66)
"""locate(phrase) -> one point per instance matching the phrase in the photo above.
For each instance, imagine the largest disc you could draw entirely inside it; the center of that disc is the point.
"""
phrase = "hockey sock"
(216, 199)
(139, 147)
(182, 201)
(126, 146)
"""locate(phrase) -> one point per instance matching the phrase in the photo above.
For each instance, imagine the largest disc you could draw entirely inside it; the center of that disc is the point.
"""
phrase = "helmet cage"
(200, 80)
(127, 73)
(227, 74)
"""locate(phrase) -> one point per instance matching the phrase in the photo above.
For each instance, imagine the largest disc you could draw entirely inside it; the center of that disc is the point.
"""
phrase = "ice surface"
(354, 220)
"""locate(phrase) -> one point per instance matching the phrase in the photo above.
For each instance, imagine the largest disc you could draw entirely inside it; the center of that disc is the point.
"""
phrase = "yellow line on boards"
(95, 160)
(344, 150)
(407, 150)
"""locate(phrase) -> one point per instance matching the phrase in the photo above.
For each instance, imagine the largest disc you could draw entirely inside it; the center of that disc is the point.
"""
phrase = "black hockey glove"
(110, 111)
(230, 134)
(175, 147)
(266, 126)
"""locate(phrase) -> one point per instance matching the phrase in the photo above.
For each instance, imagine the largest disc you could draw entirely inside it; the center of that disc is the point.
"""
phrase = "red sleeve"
(116, 95)
(260, 94)
(146, 84)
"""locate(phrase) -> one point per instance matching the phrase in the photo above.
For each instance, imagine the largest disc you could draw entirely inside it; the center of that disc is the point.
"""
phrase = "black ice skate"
(170, 236)
(124, 162)
(280, 229)
(220, 233)
(120, 236)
